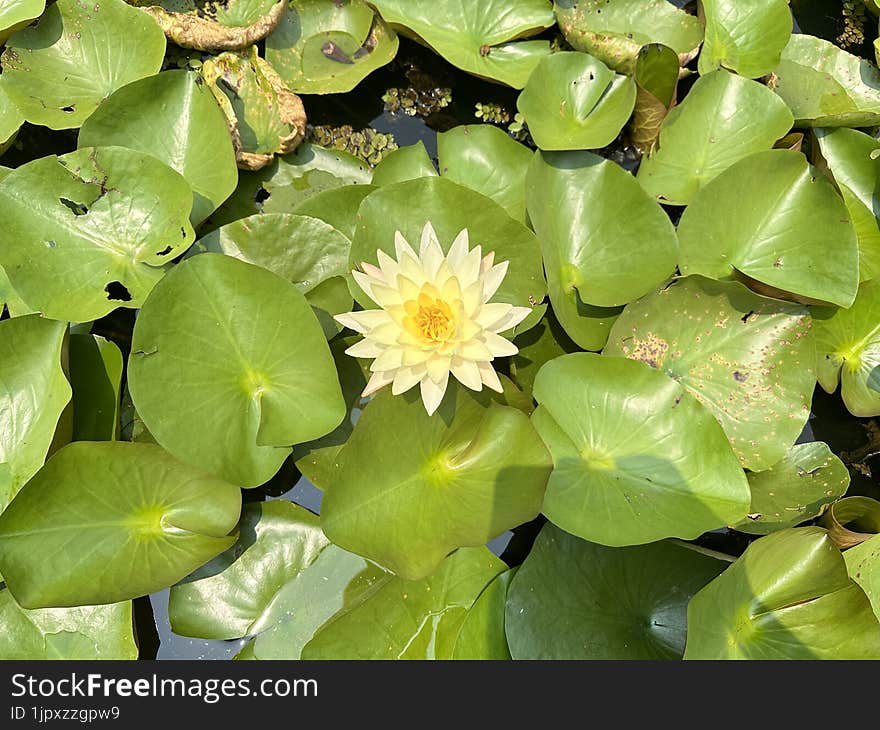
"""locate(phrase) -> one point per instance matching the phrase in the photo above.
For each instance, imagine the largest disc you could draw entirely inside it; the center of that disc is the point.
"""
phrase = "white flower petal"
(430, 253)
(385, 296)
(472, 298)
(365, 348)
(373, 271)
(390, 359)
(468, 270)
(438, 368)
(492, 280)
(458, 250)
(490, 314)
(406, 378)
(429, 239)
(387, 333)
(474, 350)
(497, 345)
(467, 373)
(432, 393)
(402, 247)
(487, 261)
(490, 377)
(513, 318)
(365, 282)
(377, 380)
(363, 321)
(389, 266)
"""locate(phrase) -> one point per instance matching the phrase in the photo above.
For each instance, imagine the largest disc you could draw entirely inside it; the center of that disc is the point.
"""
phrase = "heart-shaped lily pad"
(783, 599)
(745, 37)
(264, 116)
(327, 47)
(246, 362)
(482, 632)
(402, 619)
(316, 459)
(848, 349)
(825, 86)
(11, 118)
(176, 119)
(723, 119)
(480, 38)
(238, 593)
(337, 206)
(92, 230)
(60, 70)
(310, 254)
(103, 522)
(615, 30)
(775, 219)
(853, 160)
(451, 208)
(215, 26)
(572, 599)
(746, 358)
(16, 14)
(33, 393)
(96, 376)
(800, 487)
(574, 101)
(101, 632)
(404, 163)
(410, 487)
(863, 564)
(484, 158)
(636, 458)
(607, 259)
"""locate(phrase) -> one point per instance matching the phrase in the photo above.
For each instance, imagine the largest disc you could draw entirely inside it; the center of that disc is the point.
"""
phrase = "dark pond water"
(414, 66)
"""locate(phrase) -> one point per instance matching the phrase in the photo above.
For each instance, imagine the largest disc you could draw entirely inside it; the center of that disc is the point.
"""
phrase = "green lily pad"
(60, 70)
(486, 159)
(745, 37)
(11, 118)
(848, 350)
(615, 30)
(328, 47)
(636, 458)
(853, 161)
(176, 119)
(783, 599)
(800, 487)
(15, 305)
(825, 86)
(482, 634)
(96, 377)
(572, 599)
(410, 487)
(776, 219)
(91, 230)
(237, 593)
(290, 181)
(104, 632)
(215, 26)
(309, 253)
(656, 76)
(480, 38)
(337, 206)
(402, 619)
(240, 352)
(404, 163)
(574, 101)
(264, 116)
(16, 14)
(723, 119)
(316, 459)
(746, 358)
(607, 259)
(451, 208)
(33, 393)
(543, 342)
(863, 565)
(103, 522)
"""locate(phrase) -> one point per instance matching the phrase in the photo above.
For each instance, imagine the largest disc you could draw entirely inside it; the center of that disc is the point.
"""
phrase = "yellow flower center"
(429, 318)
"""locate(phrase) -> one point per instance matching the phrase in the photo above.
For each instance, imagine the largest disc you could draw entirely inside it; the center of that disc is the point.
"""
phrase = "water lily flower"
(435, 318)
